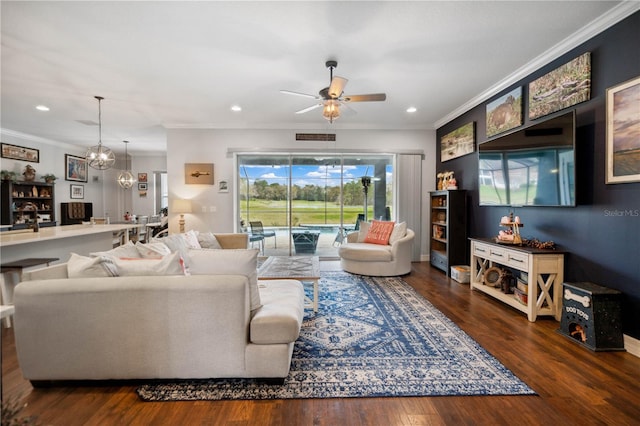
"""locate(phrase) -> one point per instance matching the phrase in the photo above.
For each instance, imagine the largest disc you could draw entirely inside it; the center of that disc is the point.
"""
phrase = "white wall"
(211, 146)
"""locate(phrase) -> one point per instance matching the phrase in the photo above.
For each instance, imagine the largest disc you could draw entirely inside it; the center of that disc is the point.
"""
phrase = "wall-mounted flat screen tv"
(534, 166)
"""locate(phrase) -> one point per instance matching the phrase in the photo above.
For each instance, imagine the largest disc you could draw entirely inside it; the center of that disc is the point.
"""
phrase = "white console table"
(545, 269)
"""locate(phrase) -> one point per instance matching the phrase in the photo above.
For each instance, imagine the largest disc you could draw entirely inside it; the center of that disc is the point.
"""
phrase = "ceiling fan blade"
(347, 110)
(289, 92)
(373, 97)
(337, 86)
(302, 111)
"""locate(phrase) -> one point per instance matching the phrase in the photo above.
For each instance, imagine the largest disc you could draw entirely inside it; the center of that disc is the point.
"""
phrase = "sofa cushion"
(399, 231)
(208, 240)
(363, 231)
(280, 317)
(151, 250)
(365, 252)
(126, 250)
(379, 232)
(171, 264)
(90, 267)
(228, 262)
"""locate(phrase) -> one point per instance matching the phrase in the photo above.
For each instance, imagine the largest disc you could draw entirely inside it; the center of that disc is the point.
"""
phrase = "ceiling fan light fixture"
(331, 110)
(99, 156)
(125, 178)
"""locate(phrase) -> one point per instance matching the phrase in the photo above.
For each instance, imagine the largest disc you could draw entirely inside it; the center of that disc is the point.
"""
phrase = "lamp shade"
(181, 206)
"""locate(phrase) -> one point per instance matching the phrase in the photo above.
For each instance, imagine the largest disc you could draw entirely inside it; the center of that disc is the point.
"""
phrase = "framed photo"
(623, 128)
(142, 194)
(461, 141)
(77, 192)
(563, 87)
(505, 113)
(223, 186)
(76, 168)
(142, 186)
(142, 177)
(21, 153)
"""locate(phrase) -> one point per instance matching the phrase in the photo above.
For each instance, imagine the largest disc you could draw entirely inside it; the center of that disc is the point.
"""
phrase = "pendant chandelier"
(125, 178)
(99, 156)
(331, 110)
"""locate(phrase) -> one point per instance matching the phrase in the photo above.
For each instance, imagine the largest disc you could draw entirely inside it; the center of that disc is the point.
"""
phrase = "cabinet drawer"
(439, 261)
(481, 250)
(518, 260)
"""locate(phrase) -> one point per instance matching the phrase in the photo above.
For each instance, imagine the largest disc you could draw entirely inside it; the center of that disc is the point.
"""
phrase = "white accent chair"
(375, 259)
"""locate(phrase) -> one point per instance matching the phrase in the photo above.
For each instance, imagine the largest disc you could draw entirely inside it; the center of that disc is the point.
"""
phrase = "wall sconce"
(182, 207)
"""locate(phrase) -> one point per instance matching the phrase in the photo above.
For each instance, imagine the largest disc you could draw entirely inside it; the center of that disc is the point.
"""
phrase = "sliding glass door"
(305, 203)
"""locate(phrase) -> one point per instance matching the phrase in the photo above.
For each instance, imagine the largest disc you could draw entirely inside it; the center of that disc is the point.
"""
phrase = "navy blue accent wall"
(602, 233)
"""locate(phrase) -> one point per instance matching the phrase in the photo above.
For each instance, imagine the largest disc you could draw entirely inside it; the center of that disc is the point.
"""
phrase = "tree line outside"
(267, 202)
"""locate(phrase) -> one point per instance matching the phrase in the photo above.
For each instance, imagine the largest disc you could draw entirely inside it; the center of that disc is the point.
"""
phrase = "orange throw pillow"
(379, 232)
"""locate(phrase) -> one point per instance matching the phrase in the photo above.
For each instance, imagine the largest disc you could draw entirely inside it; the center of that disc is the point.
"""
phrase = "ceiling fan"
(332, 97)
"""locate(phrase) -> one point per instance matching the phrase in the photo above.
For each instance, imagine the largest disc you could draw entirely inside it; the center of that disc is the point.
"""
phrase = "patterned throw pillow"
(379, 232)
(208, 240)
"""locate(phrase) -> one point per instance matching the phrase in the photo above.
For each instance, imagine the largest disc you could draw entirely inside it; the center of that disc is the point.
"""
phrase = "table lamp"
(182, 207)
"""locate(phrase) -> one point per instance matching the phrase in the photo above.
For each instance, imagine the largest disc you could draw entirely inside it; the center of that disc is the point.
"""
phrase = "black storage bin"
(591, 316)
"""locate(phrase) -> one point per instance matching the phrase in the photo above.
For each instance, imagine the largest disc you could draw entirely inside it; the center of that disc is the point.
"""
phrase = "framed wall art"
(142, 186)
(563, 87)
(623, 132)
(223, 186)
(198, 173)
(15, 152)
(505, 113)
(77, 192)
(458, 143)
(76, 168)
(142, 177)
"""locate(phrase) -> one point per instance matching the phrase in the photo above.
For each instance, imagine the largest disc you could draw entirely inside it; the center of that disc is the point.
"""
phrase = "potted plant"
(49, 177)
(7, 175)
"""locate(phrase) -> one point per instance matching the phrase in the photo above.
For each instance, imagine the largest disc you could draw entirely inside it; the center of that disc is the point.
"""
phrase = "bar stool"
(16, 268)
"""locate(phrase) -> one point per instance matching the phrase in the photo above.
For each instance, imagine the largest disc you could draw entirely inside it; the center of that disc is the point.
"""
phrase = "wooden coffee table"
(302, 268)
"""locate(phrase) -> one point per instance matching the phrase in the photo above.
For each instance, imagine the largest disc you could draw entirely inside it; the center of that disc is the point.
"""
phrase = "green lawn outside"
(274, 213)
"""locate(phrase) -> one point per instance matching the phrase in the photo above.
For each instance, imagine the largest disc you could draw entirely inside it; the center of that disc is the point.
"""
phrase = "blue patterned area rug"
(371, 337)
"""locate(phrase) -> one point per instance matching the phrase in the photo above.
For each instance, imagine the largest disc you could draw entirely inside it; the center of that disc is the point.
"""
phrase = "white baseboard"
(632, 345)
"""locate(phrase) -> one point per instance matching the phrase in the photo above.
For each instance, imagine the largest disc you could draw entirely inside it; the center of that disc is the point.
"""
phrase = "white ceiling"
(163, 65)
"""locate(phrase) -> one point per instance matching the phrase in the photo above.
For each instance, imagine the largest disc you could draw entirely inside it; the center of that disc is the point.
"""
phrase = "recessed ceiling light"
(42, 108)
(236, 108)
(412, 109)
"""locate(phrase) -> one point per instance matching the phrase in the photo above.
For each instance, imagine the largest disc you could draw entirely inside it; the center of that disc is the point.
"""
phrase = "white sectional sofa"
(155, 327)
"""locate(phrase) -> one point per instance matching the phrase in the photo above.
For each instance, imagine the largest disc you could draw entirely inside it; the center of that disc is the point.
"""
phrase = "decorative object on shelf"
(125, 178)
(75, 168)
(181, 206)
(561, 88)
(505, 113)
(623, 126)
(15, 152)
(512, 234)
(198, 173)
(493, 276)
(29, 173)
(99, 156)
(77, 192)
(460, 142)
(440, 177)
(535, 243)
(7, 175)
(452, 183)
(49, 177)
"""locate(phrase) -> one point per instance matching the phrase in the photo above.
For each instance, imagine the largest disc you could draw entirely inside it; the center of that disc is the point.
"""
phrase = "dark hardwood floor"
(575, 386)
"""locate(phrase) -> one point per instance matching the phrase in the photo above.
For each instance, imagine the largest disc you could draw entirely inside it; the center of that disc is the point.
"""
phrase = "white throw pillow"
(89, 267)
(125, 250)
(151, 250)
(191, 237)
(364, 230)
(228, 262)
(208, 240)
(399, 231)
(170, 264)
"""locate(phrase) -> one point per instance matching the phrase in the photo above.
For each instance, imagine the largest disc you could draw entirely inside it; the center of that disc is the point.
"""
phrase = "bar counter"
(60, 241)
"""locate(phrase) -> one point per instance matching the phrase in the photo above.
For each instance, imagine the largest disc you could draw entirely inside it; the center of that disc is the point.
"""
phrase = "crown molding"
(593, 28)
(32, 138)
